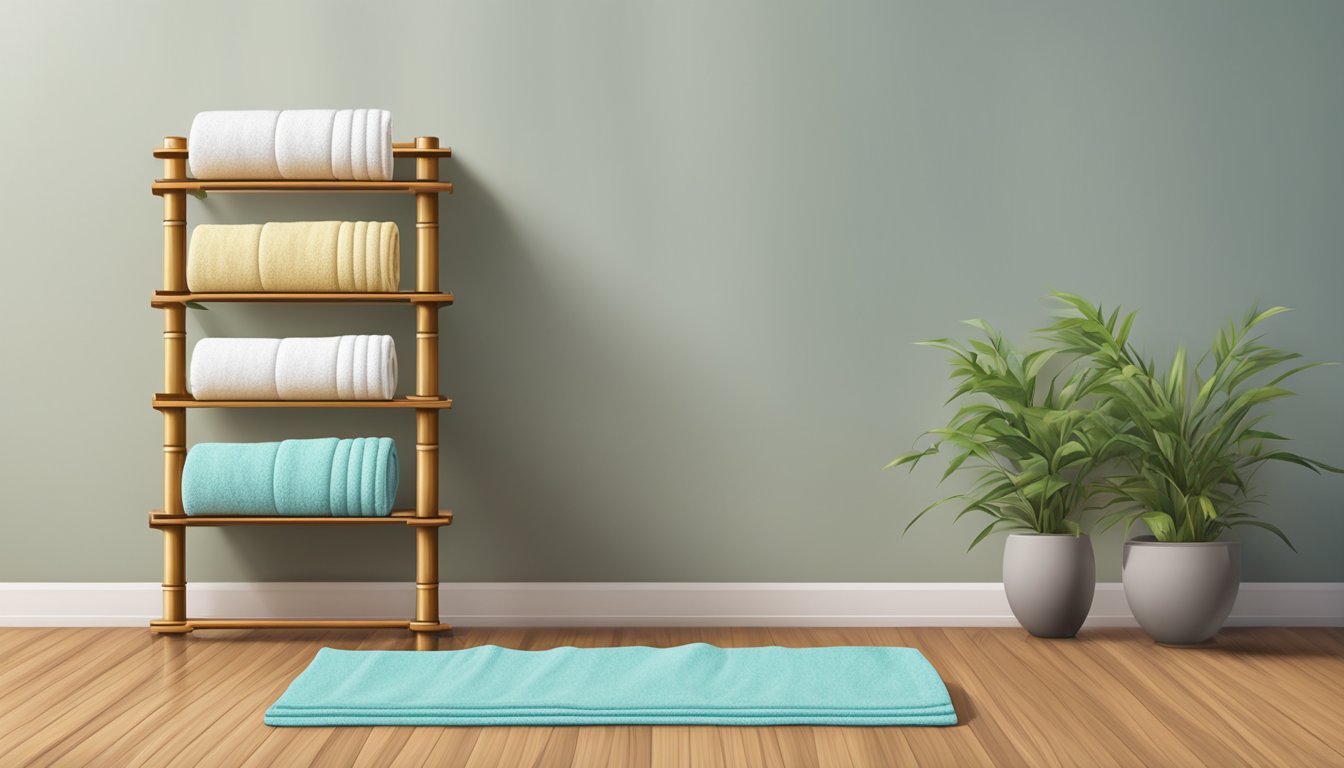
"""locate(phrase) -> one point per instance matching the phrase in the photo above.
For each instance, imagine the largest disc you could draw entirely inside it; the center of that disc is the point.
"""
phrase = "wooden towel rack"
(426, 518)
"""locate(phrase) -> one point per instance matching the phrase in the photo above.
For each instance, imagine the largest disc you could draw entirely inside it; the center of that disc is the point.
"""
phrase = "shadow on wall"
(592, 435)
(522, 363)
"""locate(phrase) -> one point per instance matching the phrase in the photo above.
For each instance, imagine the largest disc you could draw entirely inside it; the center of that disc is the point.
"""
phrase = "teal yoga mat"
(327, 476)
(694, 684)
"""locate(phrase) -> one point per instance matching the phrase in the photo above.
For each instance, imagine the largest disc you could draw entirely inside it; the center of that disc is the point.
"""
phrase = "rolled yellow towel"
(367, 252)
(224, 258)
(299, 256)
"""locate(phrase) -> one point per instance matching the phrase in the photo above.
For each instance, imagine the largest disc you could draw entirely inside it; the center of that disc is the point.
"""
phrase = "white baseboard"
(36, 604)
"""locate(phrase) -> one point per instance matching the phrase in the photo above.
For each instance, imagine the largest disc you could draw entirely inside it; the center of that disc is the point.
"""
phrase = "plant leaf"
(1161, 524)
(912, 458)
(1268, 527)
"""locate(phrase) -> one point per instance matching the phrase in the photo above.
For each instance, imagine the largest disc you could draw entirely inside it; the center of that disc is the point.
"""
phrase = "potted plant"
(1197, 445)
(1033, 446)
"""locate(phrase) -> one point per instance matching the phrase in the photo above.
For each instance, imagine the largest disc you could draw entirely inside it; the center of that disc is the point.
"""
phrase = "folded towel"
(347, 144)
(294, 478)
(329, 368)
(331, 256)
(693, 684)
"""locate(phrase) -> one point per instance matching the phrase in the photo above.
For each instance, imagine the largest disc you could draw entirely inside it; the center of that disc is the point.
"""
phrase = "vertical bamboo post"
(426, 623)
(174, 383)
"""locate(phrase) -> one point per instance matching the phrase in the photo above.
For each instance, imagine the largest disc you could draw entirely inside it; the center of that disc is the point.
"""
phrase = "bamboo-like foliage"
(1033, 445)
(1195, 430)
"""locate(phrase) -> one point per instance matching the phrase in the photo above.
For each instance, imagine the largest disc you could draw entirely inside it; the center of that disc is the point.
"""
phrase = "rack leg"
(427, 220)
(175, 383)
(174, 537)
(426, 625)
(174, 619)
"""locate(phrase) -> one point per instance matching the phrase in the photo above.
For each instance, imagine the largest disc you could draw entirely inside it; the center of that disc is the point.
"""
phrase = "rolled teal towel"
(294, 478)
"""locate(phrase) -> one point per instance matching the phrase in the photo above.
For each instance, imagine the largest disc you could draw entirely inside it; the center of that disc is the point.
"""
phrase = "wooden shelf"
(157, 519)
(399, 149)
(163, 299)
(189, 625)
(298, 624)
(161, 400)
(296, 185)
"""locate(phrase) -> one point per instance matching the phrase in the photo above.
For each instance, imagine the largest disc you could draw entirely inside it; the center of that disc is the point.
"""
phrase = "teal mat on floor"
(694, 684)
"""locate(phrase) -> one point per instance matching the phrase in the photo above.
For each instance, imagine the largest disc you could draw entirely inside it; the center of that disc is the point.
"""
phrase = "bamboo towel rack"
(174, 401)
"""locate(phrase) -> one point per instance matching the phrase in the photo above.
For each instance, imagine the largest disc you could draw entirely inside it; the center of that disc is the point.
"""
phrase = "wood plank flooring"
(1255, 697)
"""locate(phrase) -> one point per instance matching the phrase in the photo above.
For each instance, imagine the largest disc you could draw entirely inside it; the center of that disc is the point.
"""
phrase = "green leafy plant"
(1194, 431)
(1033, 445)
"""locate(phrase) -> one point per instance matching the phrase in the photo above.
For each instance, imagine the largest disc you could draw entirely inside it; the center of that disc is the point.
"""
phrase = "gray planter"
(1181, 593)
(1050, 579)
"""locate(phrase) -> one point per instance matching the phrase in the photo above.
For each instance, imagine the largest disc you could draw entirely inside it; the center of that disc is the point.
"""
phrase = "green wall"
(693, 244)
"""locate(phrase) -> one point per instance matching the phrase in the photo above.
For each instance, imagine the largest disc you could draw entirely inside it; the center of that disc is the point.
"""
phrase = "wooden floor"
(121, 697)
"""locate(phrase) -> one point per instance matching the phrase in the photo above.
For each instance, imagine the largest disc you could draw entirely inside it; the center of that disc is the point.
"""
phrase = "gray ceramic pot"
(1050, 579)
(1181, 593)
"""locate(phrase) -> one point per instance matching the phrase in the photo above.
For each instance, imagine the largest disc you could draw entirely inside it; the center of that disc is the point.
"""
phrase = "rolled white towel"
(384, 143)
(328, 368)
(359, 160)
(367, 368)
(234, 369)
(361, 144)
(306, 369)
(378, 145)
(342, 131)
(345, 144)
(234, 144)
(303, 143)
